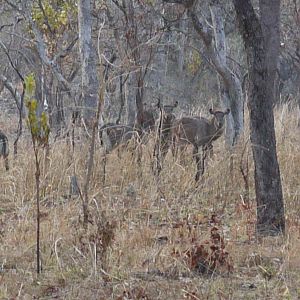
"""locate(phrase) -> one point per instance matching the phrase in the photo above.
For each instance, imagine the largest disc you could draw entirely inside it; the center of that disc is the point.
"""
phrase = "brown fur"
(113, 135)
(200, 132)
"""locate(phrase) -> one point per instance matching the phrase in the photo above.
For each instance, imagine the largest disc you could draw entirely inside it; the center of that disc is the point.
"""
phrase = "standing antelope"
(113, 135)
(200, 132)
(4, 149)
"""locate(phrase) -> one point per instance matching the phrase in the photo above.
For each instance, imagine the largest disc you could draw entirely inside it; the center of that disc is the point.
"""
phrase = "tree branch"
(185, 3)
(203, 31)
(12, 90)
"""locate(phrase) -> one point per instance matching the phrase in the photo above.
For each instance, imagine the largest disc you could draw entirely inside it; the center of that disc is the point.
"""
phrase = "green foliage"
(194, 62)
(54, 13)
(30, 85)
(38, 126)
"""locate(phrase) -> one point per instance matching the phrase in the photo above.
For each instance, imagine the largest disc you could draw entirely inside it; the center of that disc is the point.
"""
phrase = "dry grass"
(146, 226)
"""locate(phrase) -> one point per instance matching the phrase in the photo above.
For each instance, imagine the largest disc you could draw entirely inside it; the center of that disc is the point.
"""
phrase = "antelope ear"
(175, 104)
(211, 111)
(227, 111)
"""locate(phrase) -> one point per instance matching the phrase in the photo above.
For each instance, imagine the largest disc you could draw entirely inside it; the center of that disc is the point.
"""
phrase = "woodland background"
(147, 238)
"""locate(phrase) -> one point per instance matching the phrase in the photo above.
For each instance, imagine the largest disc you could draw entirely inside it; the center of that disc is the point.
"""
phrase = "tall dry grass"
(140, 227)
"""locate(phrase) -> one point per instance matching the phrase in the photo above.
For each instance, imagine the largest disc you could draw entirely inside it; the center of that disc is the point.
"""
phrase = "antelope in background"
(200, 132)
(4, 149)
(113, 135)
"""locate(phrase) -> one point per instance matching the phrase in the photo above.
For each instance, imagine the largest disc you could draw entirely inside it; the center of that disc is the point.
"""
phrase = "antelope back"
(113, 135)
(198, 130)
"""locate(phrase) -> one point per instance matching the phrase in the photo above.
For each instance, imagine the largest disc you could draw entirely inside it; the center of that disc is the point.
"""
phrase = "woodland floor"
(148, 238)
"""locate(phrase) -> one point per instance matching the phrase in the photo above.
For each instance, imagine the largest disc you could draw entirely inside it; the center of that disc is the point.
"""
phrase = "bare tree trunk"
(181, 43)
(90, 82)
(216, 52)
(90, 86)
(270, 23)
(130, 98)
(230, 86)
(139, 98)
(122, 96)
(270, 207)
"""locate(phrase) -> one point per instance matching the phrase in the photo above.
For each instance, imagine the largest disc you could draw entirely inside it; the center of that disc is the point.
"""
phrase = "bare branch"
(45, 16)
(9, 85)
(64, 52)
(202, 30)
(186, 3)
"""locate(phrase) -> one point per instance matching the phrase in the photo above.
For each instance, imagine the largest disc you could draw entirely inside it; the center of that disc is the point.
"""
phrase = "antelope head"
(219, 117)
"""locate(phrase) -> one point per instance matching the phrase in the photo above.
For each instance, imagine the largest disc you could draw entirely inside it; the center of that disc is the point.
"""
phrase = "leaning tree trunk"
(232, 96)
(270, 207)
(230, 86)
(89, 79)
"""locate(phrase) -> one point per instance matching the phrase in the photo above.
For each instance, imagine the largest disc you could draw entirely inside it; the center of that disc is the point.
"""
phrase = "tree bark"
(89, 79)
(230, 86)
(270, 207)
(231, 90)
(270, 24)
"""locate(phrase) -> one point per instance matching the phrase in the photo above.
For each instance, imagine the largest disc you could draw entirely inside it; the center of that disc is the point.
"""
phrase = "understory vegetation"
(148, 237)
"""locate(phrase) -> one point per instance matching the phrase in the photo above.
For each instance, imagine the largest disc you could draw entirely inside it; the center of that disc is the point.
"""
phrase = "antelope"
(200, 132)
(113, 135)
(4, 149)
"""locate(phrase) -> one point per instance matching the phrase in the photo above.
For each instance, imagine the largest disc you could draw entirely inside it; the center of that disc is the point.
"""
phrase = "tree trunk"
(270, 207)
(230, 87)
(232, 95)
(181, 43)
(130, 99)
(89, 79)
(270, 23)
(139, 98)
(137, 75)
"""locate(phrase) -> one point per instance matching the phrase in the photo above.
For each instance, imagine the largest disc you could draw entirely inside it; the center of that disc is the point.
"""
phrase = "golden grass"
(144, 222)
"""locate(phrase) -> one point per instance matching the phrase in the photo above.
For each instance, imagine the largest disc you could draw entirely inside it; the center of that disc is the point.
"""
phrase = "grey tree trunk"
(130, 99)
(231, 88)
(89, 79)
(270, 24)
(270, 207)
(230, 94)
(181, 43)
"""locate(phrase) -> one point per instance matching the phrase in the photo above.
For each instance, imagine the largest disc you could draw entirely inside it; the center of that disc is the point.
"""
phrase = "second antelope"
(113, 135)
(200, 132)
